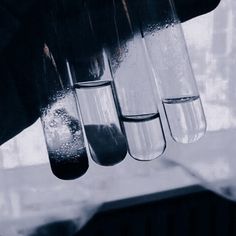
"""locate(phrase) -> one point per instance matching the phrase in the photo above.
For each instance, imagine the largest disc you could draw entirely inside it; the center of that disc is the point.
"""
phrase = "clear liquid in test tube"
(175, 80)
(107, 143)
(134, 89)
(185, 118)
(90, 76)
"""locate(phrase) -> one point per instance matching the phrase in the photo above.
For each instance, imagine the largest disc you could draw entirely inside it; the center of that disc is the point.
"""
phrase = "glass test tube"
(61, 122)
(174, 76)
(90, 73)
(106, 141)
(133, 84)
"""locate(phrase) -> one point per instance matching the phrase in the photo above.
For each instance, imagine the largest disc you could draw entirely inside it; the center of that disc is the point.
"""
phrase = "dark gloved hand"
(19, 106)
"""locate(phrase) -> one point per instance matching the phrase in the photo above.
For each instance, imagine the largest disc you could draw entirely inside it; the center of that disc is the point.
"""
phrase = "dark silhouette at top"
(20, 56)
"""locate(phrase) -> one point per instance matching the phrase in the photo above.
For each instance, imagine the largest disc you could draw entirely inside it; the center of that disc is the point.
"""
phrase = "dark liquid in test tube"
(71, 167)
(66, 149)
(107, 144)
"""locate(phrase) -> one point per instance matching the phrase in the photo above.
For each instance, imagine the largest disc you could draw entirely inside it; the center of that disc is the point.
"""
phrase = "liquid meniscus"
(185, 118)
(107, 143)
(145, 136)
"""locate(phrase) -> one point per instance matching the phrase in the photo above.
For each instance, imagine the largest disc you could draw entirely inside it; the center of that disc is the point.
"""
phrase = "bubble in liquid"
(69, 160)
(65, 141)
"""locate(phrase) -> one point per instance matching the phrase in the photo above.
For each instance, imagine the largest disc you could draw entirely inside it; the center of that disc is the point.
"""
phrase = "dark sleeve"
(188, 9)
(12, 16)
(18, 106)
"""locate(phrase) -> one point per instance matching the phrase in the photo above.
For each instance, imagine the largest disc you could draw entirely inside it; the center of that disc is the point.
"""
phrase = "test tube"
(133, 86)
(175, 80)
(91, 77)
(61, 121)
(107, 143)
